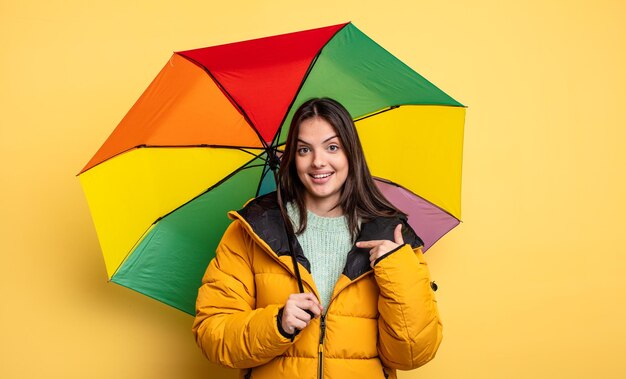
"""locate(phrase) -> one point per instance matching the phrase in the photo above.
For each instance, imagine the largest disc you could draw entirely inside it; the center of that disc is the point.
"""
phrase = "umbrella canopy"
(197, 144)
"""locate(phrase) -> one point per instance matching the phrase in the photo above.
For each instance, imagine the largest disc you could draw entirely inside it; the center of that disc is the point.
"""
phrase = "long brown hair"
(360, 198)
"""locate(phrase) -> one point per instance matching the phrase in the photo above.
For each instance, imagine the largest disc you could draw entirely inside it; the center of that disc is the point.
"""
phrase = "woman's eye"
(303, 150)
(333, 147)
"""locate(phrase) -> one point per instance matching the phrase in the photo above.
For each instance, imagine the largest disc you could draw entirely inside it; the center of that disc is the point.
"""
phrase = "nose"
(318, 160)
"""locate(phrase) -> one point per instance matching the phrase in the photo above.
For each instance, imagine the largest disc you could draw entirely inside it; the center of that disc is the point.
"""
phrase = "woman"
(367, 308)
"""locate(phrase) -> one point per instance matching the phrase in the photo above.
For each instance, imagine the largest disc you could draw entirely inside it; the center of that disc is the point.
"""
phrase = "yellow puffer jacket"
(377, 321)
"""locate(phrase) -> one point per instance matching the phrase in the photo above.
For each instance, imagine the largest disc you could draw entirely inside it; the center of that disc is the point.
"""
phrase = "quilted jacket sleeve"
(227, 327)
(409, 325)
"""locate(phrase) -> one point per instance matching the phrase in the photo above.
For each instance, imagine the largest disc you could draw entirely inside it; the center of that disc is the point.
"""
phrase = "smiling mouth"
(321, 176)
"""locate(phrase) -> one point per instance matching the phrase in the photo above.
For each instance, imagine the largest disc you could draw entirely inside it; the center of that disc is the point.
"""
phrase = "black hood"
(263, 215)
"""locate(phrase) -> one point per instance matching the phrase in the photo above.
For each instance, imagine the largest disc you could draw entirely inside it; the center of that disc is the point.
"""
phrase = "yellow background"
(531, 284)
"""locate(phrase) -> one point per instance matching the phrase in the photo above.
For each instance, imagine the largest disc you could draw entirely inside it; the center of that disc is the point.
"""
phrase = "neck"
(323, 207)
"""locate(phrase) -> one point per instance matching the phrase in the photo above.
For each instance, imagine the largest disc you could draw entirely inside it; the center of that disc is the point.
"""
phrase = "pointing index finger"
(372, 243)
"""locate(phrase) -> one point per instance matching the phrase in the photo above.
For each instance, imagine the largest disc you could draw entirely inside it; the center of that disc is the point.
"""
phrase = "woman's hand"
(379, 248)
(294, 311)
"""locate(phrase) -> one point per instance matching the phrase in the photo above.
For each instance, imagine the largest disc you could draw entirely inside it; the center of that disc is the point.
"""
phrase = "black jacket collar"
(263, 216)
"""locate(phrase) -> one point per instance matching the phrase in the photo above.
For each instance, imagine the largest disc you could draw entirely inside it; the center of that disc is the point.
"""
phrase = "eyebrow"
(324, 141)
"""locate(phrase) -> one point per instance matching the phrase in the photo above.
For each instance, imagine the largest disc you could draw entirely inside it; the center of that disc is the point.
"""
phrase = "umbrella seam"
(241, 148)
(230, 97)
(154, 223)
(304, 78)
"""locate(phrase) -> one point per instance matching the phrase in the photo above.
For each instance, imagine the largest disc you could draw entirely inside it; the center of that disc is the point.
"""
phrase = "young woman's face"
(321, 163)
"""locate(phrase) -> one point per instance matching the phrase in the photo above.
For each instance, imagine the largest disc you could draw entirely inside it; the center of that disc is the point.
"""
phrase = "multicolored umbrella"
(195, 145)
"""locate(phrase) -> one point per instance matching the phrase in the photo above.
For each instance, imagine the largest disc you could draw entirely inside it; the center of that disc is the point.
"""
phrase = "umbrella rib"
(243, 149)
(237, 147)
(377, 113)
(304, 78)
(240, 148)
(392, 107)
(252, 166)
(387, 181)
(266, 169)
(143, 235)
(293, 100)
(229, 97)
(144, 146)
(132, 248)
(242, 167)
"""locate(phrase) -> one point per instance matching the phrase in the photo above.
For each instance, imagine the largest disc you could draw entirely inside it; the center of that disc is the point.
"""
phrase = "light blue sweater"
(326, 242)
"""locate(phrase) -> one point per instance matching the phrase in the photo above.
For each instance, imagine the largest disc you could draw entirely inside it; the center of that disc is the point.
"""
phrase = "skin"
(294, 311)
(320, 152)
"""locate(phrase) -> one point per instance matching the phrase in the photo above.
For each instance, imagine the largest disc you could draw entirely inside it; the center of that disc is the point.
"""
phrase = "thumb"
(397, 235)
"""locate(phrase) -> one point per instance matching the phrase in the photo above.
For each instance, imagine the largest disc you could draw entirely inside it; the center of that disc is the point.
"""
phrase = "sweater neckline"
(337, 224)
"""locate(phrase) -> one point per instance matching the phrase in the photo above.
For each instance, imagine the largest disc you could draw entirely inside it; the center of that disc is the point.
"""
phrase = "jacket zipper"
(320, 349)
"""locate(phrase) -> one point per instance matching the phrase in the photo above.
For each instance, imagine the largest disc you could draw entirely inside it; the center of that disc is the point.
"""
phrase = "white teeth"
(321, 176)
